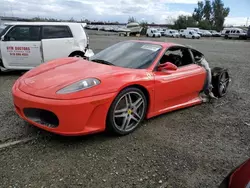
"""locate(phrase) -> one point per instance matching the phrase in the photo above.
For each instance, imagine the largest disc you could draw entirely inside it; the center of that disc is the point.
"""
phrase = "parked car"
(2, 28)
(215, 33)
(26, 45)
(152, 32)
(161, 30)
(172, 33)
(181, 32)
(248, 32)
(197, 30)
(235, 33)
(205, 33)
(190, 34)
(223, 32)
(116, 89)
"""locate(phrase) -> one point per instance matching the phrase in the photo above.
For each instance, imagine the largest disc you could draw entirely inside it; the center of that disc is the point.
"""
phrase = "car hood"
(46, 80)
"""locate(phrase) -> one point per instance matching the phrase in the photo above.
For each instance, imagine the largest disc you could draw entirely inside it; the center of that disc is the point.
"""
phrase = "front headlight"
(80, 85)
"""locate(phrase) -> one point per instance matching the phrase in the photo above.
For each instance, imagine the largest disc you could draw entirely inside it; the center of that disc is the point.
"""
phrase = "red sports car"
(115, 89)
(238, 178)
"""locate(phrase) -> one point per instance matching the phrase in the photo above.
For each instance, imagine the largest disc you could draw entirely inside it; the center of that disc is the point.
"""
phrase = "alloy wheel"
(129, 111)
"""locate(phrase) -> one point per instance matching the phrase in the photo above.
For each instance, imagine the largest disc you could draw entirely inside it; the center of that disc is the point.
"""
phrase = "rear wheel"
(193, 37)
(127, 111)
(220, 81)
(78, 54)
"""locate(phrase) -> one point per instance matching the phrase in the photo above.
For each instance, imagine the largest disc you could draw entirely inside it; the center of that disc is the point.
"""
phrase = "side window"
(24, 33)
(178, 55)
(190, 33)
(151, 31)
(238, 31)
(197, 56)
(52, 32)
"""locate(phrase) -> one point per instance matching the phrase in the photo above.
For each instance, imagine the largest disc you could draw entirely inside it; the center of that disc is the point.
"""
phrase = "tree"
(207, 10)
(144, 25)
(219, 14)
(131, 19)
(183, 22)
(198, 12)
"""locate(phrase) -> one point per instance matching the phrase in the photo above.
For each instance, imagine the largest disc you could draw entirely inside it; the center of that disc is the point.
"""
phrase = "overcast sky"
(158, 11)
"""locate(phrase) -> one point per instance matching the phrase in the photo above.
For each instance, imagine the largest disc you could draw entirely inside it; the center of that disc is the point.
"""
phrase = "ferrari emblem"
(129, 111)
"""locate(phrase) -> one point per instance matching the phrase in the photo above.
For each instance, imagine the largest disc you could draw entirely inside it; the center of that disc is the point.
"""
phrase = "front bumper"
(76, 117)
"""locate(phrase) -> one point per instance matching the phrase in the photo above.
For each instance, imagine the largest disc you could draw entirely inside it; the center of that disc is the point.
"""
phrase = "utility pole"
(247, 21)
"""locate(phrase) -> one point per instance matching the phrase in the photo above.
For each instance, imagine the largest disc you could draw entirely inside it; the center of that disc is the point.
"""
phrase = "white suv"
(151, 32)
(172, 33)
(190, 34)
(26, 45)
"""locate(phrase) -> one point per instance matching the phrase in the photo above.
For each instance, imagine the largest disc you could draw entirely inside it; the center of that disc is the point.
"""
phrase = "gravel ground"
(194, 147)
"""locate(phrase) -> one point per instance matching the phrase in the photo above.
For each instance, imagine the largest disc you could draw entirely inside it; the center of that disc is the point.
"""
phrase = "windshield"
(2, 32)
(154, 31)
(129, 54)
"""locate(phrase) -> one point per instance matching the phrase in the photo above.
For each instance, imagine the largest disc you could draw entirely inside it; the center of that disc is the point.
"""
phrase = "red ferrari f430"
(116, 89)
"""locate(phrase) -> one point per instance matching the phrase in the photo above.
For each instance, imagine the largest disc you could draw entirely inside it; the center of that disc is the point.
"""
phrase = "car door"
(173, 88)
(57, 42)
(21, 47)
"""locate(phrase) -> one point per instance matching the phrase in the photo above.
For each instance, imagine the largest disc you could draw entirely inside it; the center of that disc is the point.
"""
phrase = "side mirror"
(168, 66)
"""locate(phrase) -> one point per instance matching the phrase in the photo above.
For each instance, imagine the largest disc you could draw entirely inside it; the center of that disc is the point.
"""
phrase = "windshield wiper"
(102, 62)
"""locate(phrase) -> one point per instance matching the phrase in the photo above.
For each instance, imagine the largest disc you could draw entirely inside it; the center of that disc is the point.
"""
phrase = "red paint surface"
(85, 112)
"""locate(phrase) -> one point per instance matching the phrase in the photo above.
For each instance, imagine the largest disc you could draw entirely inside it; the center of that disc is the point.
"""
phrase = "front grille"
(43, 117)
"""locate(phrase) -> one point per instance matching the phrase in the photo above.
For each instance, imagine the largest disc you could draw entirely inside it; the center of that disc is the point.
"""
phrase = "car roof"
(163, 44)
(43, 23)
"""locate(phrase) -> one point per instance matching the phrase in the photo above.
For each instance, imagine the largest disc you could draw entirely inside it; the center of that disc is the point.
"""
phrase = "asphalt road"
(194, 147)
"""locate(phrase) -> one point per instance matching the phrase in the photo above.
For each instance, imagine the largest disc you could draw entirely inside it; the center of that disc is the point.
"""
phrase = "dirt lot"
(194, 147)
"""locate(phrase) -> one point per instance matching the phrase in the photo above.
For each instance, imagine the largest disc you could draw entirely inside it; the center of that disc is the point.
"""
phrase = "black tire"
(110, 122)
(226, 37)
(219, 75)
(77, 54)
(193, 37)
(147, 35)
(153, 35)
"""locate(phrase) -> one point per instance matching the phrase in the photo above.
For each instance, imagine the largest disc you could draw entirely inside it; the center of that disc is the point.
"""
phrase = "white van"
(196, 29)
(190, 34)
(152, 32)
(172, 33)
(235, 33)
(26, 45)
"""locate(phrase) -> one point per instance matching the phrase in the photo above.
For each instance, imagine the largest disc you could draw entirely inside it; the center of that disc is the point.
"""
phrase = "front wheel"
(127, 111)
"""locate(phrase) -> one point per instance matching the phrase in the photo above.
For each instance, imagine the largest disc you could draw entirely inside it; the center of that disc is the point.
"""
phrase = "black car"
(248, 32)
